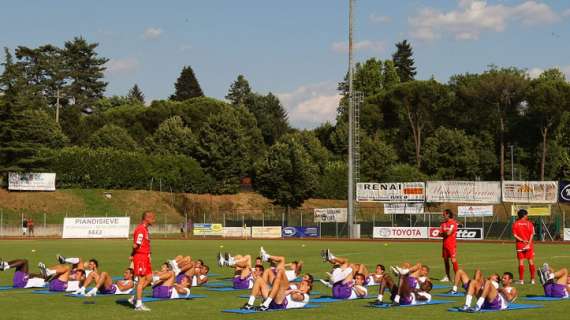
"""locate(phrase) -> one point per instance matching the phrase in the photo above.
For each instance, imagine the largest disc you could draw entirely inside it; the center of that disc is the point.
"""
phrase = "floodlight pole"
(350, 217)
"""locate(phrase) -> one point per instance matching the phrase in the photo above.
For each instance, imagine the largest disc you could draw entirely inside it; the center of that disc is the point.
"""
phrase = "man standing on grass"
(141, 258)
(523, 231)
(448, 230)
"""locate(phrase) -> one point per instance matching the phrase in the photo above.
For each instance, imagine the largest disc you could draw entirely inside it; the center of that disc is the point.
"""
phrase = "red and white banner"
(530, 191)
(475, 211)
(400, 233)
(462, 233)
(390, 192)
(463, 191)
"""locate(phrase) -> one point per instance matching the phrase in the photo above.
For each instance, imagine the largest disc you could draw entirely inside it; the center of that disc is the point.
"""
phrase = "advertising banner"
(564, 191)
(266, 232)
(390, 192)
(100, 227)
(301, 232)
(325, 215)
(400, 233)
(462, 233)
(566, 234)
(31, 181)
(237, 232)
(474, 211)
(403, 208)
(208, 229)
(533, 210)
(464, 191)
(530, 191)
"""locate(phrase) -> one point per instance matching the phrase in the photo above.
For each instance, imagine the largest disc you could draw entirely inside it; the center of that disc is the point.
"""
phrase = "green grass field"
(113, 257)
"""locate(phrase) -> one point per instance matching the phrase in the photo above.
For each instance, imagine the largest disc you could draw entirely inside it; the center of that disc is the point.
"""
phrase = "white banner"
(237, 232)
(390, 192)
(403, 208)
(530, 191)
(325, 215)
(475, 211)
(266, 232)
(100, 227)
(464, 191)
(566, 234)
(400, 233)
(31, 181)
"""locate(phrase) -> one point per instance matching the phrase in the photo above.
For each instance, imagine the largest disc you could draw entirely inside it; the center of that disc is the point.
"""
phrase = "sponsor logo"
(384, 232)
(462, 233)
(565, 193)
(289, 231)
(434, 233)
(312, 232)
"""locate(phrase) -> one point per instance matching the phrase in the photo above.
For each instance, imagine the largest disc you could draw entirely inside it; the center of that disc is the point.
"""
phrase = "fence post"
(224, 217)
(301, 218)
(164, 228)
(282, 219)
(1, 222)
(336, 229)
(45, 220)
(263, 218)
(185, 223)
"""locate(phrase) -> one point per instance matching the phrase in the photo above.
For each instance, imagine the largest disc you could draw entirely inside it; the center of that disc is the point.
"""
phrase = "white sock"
(480, 302)
(380, 297)
(6, 266)
(91, 292)
(50, 272)
(267, 302)
(251, 300)
(139, 303)
(397, 298)
(72, 260)
(331, 256)
(468, 300)
(454, 288)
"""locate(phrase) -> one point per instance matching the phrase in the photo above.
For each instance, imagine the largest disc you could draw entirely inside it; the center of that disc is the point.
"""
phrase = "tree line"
(54, 117)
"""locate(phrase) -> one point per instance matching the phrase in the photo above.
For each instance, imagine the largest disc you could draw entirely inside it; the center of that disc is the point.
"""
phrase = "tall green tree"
(112, 136)
(404, 61)
(286, 175)
(187, 86)
(271, 117)
(390, 76)
(319, 154)
(376, 158)
(136, 95)
(239, 91)
(172, 137)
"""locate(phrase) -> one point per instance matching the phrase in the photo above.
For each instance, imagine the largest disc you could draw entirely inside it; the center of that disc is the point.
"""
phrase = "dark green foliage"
(112, 136)
(239, 91)
(135, 95)
(333, 181)
(376, 158)
(172, 137)
(270, 115)
(187, 86)
(117, 169)
(404, 62)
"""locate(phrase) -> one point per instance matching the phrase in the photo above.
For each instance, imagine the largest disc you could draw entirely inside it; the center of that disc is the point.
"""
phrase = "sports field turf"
(113, 257)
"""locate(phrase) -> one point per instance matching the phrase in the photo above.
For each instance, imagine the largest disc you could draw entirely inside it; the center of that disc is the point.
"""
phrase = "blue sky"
(296, 48)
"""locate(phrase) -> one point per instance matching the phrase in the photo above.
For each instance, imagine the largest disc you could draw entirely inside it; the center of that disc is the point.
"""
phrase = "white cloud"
(365, 45)
(152, 33)
(375, 18)
(472, 17)
(310, 105)
(534, 73)
(122, 66)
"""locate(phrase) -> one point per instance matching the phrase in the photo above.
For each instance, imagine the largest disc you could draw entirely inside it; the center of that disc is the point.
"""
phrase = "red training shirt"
(142, 240)
(449, 241)
(525, 230)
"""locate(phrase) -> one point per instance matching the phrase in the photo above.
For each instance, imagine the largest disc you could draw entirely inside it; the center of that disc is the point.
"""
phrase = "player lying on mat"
(282, 294)
(345, 284)
(243, 278)
(470, 285)
(414, 285)
(61, 278)
(77, 263)
(292, 270)
(164, 284)
(22, 276)
(105, 284)
(195, 270)
(493, 296)
(385, 281)
(555, 283)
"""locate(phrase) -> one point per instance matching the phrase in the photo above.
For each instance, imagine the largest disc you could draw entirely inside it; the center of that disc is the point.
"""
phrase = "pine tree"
(187, 86)
(239, 91)
(390, 76)
(136, 95)
(404, 62)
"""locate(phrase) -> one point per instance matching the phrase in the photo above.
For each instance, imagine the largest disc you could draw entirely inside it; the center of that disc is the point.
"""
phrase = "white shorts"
(25, 230)
(291, 275)
(354, 295)
(292, 304)
(119, 292)
(35, 283)
(72, 286)
(504, 303)
(372, 281)
(423, 294)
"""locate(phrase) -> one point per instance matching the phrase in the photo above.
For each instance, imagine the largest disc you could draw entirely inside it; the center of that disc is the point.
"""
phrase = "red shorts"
(141, 265)
(526, 254)
(448, 252)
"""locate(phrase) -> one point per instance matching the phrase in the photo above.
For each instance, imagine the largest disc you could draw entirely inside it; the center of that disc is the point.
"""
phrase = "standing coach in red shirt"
(448, 231)
(141, 257)
(523, 231)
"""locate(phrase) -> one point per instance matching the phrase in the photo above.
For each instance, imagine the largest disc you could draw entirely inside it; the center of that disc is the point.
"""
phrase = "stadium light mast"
(350, 217)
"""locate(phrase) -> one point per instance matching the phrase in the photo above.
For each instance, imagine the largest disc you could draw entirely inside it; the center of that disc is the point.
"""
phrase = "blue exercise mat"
(225, 289)
(243, 311)
(47, 292)
(450, 295)
(431, 303)
(246, 296)
(440, 286)
(512, 306)
(214, 274)
(217, 284)
(151, 299)
(329, 299)
(544, 298)
(6, 288)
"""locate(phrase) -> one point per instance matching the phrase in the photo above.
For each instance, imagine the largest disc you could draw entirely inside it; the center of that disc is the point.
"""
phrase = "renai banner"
(464, 191)
(530, 191)
(390, 192)
(31, 181)
(99, 227)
